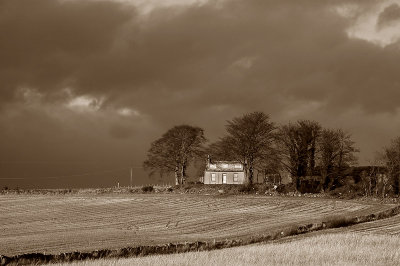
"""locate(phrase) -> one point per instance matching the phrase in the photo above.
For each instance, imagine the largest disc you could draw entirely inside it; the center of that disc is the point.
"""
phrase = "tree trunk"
(266, 179)
(183, 174)
(176, 177)
(325, 180)
(369, 186)
(310, 170)
(296, 182)
(396, 185)
(383, 190)
(251, 175)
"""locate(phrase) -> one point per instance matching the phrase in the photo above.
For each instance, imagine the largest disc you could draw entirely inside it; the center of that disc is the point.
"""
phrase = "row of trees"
(383, 176)
(309, 150)
(303, 148)
(389, 158)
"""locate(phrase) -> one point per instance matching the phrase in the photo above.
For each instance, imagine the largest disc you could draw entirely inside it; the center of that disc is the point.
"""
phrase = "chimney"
(208, 161)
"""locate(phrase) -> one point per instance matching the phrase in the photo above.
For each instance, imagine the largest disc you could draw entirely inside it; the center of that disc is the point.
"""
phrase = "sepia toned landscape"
(331, 249)
(84, 223)
(199, 132)
(90, 222)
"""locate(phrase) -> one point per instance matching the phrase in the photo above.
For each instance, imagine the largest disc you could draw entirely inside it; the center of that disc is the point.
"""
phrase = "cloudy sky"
(86, 85)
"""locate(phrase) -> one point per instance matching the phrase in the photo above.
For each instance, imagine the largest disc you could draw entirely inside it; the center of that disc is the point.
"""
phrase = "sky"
(86, 86)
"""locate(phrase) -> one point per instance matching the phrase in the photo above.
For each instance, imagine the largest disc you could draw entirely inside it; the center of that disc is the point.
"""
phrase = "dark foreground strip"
(333, 222)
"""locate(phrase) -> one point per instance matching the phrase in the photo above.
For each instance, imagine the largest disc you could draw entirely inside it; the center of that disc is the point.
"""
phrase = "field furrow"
(389, 226)
(53, 224)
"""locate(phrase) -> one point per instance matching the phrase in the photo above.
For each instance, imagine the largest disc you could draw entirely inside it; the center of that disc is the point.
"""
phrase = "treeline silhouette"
(317, 159)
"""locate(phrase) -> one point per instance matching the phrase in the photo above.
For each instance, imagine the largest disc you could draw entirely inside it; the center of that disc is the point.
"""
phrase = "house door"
(223, 178)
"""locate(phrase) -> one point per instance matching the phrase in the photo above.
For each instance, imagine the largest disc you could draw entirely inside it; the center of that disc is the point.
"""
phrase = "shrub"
(310, 184)
(286, 188)
(246, 188)
(262, 188)
(339, 221)
(230, 189)
(147, 189)
(195, 183)
(348, 191)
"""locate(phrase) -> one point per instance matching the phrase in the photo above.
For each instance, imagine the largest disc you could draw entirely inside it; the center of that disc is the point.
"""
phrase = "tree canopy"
(391, 159)
(173, 152)
(302, 148)
(336, 153)
(249, 140)
(298, 146)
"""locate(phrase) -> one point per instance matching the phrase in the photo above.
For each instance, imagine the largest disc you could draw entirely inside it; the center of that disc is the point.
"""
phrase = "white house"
(224, 172)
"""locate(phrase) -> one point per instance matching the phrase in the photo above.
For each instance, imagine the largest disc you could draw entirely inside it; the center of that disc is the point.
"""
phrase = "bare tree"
(270, 167)
(249, 140)
(288, 143)
(377, 173)
(298, 146)
(175, 150)
(336, 153)
(391, 159)
(366, 181)
(385, 182)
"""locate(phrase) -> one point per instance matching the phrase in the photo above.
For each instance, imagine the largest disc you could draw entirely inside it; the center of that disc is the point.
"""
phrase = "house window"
(238, 166)
(213, 166)
(235, 178)
(213, 178)
(223, 178)
(224, 165)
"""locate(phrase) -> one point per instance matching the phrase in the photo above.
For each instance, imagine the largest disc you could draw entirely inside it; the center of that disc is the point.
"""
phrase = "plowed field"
(389, 226)
(54, 224)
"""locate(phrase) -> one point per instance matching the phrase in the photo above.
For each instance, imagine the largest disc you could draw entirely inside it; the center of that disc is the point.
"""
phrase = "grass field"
(324, 249)
(54, 224)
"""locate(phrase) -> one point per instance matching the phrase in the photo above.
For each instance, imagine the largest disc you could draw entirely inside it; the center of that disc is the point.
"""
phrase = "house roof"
(225, 166)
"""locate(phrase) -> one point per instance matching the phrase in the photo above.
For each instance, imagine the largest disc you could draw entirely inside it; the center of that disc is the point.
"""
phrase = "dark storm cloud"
(388, 16)
(44, 42)
(196, 64)
(121, 132)
(238, 53)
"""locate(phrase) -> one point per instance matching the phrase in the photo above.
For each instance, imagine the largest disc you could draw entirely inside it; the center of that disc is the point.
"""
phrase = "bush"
(194, 183)
(246, 188)
(286, 188)
(262, 188)
(348, 191)
(310, 184)
(147, 189)
(339, 221)
(230, 189)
